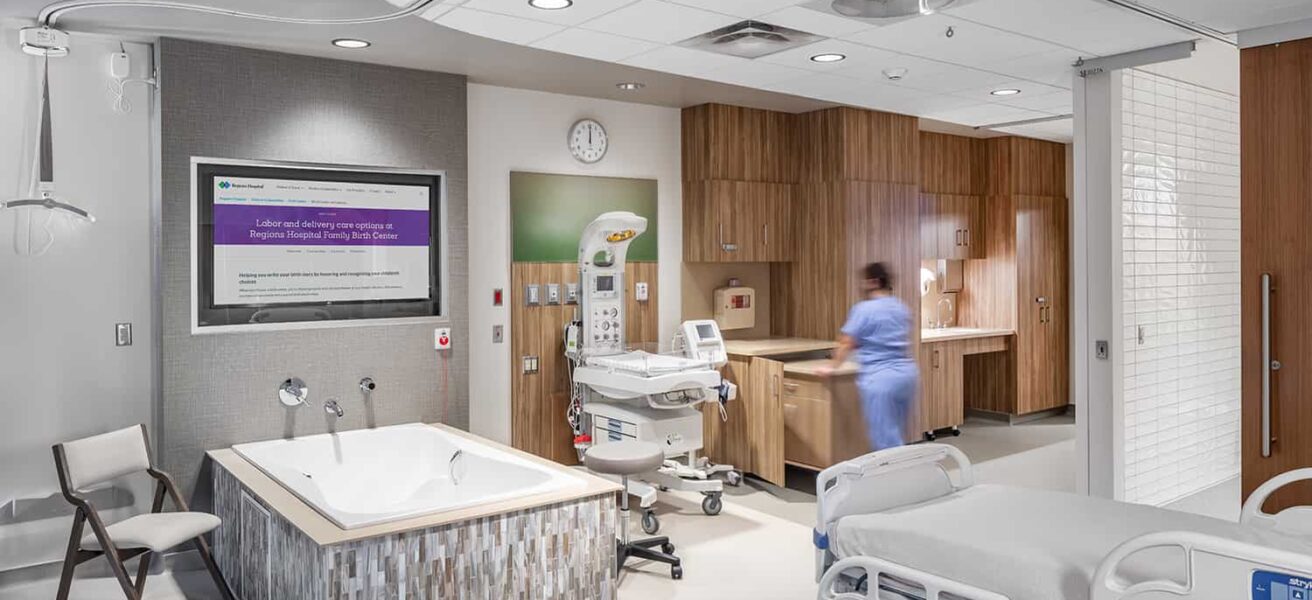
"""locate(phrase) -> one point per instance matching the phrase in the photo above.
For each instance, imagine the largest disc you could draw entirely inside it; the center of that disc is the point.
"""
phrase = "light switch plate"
(531, 295)
(498, 334)
(640, 291)
(123, 334)
(530, 365)
(553, 293)
(1101, 349)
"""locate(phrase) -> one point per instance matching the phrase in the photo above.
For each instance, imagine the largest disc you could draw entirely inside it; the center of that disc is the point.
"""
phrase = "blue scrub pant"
(887, 391)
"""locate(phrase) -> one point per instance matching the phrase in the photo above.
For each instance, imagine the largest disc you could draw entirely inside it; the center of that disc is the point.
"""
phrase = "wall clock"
(587, 141)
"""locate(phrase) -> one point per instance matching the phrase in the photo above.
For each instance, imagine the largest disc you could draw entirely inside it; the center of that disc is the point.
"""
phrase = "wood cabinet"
(823, 422)
(951, 226)
(1043, 324)
(941, 404)
(737, 221)
(751, 437)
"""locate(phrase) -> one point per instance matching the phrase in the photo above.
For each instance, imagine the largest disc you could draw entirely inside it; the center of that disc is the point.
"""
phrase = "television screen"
(286, 244)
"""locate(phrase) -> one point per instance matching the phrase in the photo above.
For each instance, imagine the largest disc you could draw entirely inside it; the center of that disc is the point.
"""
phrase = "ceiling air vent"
(750, 39)
(887, 9)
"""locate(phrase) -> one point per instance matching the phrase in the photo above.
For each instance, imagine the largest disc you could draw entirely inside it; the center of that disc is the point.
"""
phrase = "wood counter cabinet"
(942, 401)
(823, 421)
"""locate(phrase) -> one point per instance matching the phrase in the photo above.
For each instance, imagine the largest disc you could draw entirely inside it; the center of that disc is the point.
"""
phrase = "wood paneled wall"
(738, 144)
(1276, 151)
(855, 203)
(538, 401)
(953, 164)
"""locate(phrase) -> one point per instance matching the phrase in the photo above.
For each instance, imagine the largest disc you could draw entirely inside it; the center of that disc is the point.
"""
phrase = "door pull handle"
(1269, 365)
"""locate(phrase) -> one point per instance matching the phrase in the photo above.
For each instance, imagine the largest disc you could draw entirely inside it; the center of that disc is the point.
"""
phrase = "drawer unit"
(803, 388)
(807, 431)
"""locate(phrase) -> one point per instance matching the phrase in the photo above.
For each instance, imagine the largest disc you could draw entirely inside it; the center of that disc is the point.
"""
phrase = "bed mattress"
(1030, 544)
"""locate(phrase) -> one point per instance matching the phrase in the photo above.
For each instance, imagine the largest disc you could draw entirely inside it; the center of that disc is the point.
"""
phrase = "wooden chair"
(97, 459)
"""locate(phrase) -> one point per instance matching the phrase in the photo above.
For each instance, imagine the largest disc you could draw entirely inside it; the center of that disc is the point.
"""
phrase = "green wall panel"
(548, 213)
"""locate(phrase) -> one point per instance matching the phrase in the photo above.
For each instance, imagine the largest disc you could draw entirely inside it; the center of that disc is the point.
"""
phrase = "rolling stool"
(625, 458)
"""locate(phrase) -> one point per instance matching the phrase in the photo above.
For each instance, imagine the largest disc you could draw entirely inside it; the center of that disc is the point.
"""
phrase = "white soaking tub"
(370, 476)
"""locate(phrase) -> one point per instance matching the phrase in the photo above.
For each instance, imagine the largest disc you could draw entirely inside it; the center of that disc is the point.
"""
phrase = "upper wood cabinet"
(739, 144)
(737, 221)
(951, 227)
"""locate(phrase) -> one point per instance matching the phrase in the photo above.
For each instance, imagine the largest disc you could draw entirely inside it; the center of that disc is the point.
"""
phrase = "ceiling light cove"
(551, 4)
(1005, 92)
(629, 86)
(351, 44)
(829, 57)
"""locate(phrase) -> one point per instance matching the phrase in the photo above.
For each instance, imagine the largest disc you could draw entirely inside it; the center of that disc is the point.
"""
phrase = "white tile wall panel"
(1180, 280)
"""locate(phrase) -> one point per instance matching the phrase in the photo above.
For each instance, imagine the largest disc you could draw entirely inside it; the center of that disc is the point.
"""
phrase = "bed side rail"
(1215, 568)
(1293, 521)
(833, 584)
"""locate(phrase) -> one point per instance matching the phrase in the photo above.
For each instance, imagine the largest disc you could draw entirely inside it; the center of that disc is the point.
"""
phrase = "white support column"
(1096, 285)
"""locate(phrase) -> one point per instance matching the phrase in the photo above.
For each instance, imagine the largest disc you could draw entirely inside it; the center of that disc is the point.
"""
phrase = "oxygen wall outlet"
(442, 338)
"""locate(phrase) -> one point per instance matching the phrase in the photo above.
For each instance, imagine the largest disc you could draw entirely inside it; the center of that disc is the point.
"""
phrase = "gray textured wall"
(226, 102)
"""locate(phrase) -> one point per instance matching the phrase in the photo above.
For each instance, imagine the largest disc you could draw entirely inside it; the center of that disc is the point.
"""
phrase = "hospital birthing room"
(655, 299)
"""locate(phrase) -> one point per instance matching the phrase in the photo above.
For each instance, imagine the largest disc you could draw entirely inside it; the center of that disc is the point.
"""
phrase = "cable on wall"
(51, 14)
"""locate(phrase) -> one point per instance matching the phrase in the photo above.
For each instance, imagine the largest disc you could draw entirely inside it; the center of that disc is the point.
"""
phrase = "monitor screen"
(606, 283)
(706, 331)
(281, 244)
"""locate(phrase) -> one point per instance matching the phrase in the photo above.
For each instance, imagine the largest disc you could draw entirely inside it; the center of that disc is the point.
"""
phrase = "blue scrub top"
(881, 328)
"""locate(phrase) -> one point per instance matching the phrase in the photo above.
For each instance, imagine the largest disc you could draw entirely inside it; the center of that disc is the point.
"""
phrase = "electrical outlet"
(553, 293)
(531, 295)
(530, 366)
(640, 291)
(498, 334)
(571, 293)
(123, 334)
(1101, 350)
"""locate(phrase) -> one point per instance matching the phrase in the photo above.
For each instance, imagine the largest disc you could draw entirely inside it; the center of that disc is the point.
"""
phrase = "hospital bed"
(910, 523)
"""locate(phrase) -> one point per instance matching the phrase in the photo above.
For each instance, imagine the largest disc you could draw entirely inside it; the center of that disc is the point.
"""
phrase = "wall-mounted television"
(287, 245)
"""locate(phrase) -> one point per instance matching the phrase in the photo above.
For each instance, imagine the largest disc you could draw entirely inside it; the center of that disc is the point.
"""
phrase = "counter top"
(777, 346)
(960, 333)
(325, 532)
(810, 368)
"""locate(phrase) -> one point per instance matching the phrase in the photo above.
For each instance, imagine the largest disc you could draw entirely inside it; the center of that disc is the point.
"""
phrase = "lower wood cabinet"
(941, 404)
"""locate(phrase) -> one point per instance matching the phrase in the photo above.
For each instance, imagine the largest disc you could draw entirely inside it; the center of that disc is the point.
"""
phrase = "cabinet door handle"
(1269, 365)
(967, 236)
(958, 237)
(934, 360)
(765, 232)
(726, 246)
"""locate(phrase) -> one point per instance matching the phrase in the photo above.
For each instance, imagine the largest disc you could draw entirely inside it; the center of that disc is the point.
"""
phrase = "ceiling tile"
(1111, 30)
(985, 114)
(684, 61)
(858, 56)
(813, 21)
(1027, 89)
(739, 8)
(971, 44)
(595, 45)
(1049, 68)
(937, 77)
(1060, 102)
(756, 74)
(497, 26)
(658, 21)
(578, 13)
(817, 85)
(1062, 131)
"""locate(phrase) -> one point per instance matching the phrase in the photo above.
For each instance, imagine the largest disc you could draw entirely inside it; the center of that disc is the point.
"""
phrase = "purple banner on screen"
(245, 225)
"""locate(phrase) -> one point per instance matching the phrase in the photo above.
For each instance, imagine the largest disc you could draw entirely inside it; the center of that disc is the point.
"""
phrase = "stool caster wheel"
(711, 504)
(734, 478)
(650, 524)
(667, 548)
(930, 436)
(676, 572)
(956, 432)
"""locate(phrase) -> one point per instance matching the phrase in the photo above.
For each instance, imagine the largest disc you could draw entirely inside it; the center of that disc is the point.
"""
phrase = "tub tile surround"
(556, 545)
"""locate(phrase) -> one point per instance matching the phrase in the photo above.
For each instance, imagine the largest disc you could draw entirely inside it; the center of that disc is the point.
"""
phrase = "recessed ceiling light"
(551, 4)
(350, 43)
(630, 86)
(828, 57)
(1005, 92)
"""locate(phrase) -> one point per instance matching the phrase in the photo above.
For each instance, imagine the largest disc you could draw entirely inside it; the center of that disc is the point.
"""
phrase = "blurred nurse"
(878, 330)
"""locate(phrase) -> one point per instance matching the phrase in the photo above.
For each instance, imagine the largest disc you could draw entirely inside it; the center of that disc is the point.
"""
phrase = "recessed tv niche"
(290, 245)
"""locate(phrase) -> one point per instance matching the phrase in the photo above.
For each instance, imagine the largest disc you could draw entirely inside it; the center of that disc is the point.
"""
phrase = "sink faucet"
(452, 467)
(938, 311)
(333, 408)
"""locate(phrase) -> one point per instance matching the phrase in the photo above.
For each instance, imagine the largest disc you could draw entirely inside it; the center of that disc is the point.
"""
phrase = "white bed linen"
(1028, 544)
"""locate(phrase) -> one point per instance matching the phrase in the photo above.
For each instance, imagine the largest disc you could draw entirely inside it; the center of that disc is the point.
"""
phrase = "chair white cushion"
(155, 531)
(107, 456)
(1030, 544)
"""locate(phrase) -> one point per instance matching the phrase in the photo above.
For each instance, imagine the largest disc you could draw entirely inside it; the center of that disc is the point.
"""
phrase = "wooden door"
(929, 227)
(724, 439)
(1042, 327)
(1276, 151)
(765, 420)
(972, 222)
(941, 402)
(776, 221)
